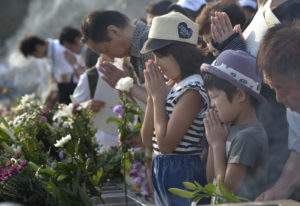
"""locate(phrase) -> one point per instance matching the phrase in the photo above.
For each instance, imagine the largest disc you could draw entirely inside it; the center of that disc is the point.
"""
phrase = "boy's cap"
(168, 29)
(238, 68)
(250, 3)
(193, 5)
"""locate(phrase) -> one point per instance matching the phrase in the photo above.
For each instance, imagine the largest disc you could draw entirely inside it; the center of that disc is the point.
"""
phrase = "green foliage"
(221, 193)
(68, 174)
(128, 126)
(25, 188)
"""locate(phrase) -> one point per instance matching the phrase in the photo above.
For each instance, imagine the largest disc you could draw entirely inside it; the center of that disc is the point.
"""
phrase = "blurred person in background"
(62, 83)
(111, 33)
(190, 8)
(157, 9)
(249, 7)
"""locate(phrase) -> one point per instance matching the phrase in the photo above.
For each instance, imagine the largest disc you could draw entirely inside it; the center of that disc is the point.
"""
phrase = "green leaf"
(210, 188)
(189, 185)
(96, 178)
(4, 135)
(65, 167)
(182, 193)
(130, 117)
(243, 199)
(61, 177)
(137, 126)
(199, 187)
(84, 196)
(113, 119)
(77, 147)
(199, 197)
(127, 163)
(4, 122)
(75, 187)
(6, 148)
(225, 193)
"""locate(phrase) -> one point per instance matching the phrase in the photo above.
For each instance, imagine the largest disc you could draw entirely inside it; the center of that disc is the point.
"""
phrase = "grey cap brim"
(154, 44)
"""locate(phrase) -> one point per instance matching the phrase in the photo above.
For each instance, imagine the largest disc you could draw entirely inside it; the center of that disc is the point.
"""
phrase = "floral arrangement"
(128, 114)
(49, 156)
(60, 151)
(137, 178)
(19, 184)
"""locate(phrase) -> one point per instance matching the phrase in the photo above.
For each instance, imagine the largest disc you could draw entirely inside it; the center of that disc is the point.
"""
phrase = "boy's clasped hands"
(216, 132)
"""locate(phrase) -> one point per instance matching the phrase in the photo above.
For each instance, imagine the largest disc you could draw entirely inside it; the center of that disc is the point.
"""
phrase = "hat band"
(246, 81)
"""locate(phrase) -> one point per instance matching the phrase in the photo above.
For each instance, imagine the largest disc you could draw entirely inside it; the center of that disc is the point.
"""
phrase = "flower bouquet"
(128, 121)
(59, 147)
(19, 184)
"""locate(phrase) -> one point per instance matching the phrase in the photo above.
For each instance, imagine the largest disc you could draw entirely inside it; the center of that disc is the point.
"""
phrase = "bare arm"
(216, 133)
(234, 176)
(210, 173)
(139, 92)
(288, 182)
(148, 124)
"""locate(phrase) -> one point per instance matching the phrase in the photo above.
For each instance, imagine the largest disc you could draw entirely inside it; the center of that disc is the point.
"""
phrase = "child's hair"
(29, 43)
(280, 52)
(211, 81)
(188, 57)
(231, 8)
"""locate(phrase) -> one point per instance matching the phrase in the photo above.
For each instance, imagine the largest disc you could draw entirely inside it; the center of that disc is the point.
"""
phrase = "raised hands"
(94, 105)
(111, 74)
(156, 85)
(70, 57)
(216, 132)
(221, 28)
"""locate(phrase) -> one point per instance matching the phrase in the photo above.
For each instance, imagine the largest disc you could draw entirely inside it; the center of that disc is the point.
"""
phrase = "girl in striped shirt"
(173, 123)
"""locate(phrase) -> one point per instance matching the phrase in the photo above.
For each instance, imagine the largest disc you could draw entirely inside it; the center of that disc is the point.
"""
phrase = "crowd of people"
(220, 81)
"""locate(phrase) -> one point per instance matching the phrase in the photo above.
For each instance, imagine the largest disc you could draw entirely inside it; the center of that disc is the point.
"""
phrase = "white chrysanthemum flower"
(68, 123)
(62, 141)
(18, 120)
(125, 84)
(65, 111)
(27, 98)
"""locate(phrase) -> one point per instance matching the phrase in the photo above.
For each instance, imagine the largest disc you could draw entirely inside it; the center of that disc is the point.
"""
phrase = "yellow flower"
(4, 90)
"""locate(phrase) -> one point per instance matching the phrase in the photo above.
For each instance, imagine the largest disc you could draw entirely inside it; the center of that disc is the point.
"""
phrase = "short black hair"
(158, 8)
(188, 57)
(211, 81)
(28, 44)
(94, 25)
(69, 34)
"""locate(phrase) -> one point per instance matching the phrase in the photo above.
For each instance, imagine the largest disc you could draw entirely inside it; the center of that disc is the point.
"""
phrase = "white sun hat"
(168, 29)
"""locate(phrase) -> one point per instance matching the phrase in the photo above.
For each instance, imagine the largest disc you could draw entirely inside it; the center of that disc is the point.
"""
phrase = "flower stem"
(6, 148)
(124, 174)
